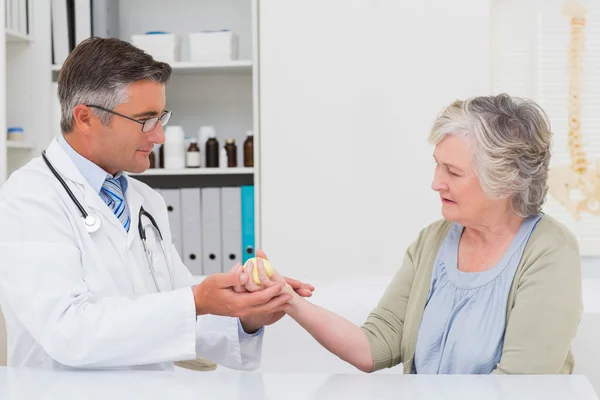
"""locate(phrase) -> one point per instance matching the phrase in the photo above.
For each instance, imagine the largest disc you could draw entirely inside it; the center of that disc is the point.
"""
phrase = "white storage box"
(213, 46)
(160, 45)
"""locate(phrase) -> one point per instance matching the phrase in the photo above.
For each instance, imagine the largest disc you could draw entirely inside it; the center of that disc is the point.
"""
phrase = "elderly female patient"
(494, 287)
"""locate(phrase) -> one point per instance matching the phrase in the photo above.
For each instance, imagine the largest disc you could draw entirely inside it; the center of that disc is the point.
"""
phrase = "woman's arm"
(373, 346)
(545, 316)
(338, 335)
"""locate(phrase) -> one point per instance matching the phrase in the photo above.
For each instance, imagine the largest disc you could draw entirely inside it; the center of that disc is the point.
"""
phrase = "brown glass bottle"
(249, 150)
(161, 156)
(212, 153)
(152, 159)
(231, 150)
(192, 157)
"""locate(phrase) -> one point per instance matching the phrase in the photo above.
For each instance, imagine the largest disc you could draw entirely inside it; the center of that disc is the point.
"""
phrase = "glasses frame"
(148, 125)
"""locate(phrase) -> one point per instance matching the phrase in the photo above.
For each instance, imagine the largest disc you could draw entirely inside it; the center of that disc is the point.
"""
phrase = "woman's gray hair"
(511, 138)
(98, 72)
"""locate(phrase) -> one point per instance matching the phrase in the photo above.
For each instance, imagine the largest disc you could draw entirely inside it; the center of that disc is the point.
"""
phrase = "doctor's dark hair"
(98, 71)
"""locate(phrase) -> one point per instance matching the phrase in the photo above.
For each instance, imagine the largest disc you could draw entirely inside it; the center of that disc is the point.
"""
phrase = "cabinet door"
(348, 91)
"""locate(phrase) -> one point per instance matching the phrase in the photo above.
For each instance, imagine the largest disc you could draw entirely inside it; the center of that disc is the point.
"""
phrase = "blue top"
(462, 329)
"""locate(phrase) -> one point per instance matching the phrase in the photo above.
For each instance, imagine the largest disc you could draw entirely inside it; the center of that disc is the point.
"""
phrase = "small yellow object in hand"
(266, 264)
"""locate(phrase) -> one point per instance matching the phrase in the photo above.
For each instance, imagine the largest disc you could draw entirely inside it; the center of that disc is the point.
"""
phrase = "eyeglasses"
(147, 124)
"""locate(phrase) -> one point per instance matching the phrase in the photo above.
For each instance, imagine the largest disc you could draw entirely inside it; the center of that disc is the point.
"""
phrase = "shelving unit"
(197, 171)
(25, 87)
(237, 66)
(196, 177)
(219, 94)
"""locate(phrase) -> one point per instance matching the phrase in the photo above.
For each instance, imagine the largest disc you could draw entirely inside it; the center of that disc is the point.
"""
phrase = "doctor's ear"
(84, 119)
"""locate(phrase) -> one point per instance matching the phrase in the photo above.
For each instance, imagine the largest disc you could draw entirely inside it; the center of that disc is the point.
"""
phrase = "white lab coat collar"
(63, 163)
(91, 199)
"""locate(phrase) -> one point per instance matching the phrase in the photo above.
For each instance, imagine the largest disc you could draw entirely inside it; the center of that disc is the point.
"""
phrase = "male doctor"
(81, 291)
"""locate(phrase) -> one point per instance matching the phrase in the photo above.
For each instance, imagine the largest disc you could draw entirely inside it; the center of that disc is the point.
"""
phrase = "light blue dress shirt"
(96, 177)
(462, 329)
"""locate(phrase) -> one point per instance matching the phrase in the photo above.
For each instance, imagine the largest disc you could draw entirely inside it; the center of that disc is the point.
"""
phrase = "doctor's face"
(123, 146)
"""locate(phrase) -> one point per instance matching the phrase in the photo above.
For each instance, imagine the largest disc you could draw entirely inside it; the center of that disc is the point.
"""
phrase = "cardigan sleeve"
(544, 319)
(385, 323)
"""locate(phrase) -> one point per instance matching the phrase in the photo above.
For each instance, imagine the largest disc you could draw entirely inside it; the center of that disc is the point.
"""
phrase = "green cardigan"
(544, 303)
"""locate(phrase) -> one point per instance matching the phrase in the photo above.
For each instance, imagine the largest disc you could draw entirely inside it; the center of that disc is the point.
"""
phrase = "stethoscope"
(93, 224)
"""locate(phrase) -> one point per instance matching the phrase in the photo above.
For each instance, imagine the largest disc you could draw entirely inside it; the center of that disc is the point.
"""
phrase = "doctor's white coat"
(78, 299)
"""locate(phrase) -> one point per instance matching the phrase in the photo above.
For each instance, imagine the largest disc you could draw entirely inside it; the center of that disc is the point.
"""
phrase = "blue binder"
(247, 222)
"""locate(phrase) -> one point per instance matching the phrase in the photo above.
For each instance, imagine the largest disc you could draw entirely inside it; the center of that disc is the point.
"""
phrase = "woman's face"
(463, 199)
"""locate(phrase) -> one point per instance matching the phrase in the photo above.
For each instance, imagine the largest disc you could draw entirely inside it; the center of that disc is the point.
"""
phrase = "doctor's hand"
(253, 323)
(215, 295)
(303, 289)
(292, 287)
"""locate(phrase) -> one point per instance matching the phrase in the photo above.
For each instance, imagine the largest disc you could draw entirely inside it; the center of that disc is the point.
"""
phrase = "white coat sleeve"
(220, 339)
(42, 281)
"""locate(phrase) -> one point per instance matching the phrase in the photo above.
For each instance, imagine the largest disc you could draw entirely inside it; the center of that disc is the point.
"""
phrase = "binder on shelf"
(105, 18)
(173, 200)
(15, 17)
(231, 226)
(211, 231)
(23, 16)
(247, 195)
(71, 23)
(83, 20)
(191, 230)
(7, 14)
(60, 31)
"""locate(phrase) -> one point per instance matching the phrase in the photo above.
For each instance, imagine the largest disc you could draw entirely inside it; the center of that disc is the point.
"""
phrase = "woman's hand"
(293, 285)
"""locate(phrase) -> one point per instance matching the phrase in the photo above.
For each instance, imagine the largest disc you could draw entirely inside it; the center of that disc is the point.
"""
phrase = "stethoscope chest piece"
(92, 223)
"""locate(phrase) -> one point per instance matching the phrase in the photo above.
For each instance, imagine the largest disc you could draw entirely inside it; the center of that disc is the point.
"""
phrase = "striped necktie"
(113, 196)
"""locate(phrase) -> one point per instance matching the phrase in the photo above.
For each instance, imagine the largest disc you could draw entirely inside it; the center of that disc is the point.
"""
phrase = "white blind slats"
(530, 50)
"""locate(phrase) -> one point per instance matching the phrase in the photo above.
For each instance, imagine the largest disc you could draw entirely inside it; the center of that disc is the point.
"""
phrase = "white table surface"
(25, 384)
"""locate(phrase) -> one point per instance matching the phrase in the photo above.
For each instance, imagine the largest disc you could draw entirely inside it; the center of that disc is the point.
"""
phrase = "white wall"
(344, 86)
(591, 267)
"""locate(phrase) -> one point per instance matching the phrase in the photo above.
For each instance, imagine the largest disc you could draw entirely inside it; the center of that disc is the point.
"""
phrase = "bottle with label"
(203, 135)
(174, 147)
(192, 156)
(15, 134)
(231, 150)
(212, 152)
(249, 150)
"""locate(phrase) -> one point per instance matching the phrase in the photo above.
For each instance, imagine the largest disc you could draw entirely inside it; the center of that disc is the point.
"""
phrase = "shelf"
(17, 37)
(211, 67)
(19, 145)
(196, 171)
(196, 177)
(204, 67)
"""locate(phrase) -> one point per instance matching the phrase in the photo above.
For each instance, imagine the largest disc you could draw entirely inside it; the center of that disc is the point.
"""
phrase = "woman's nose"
(438, 183)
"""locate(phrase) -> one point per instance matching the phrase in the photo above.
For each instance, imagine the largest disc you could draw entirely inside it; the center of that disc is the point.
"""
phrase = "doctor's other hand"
(253, 323)
(215, 295)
